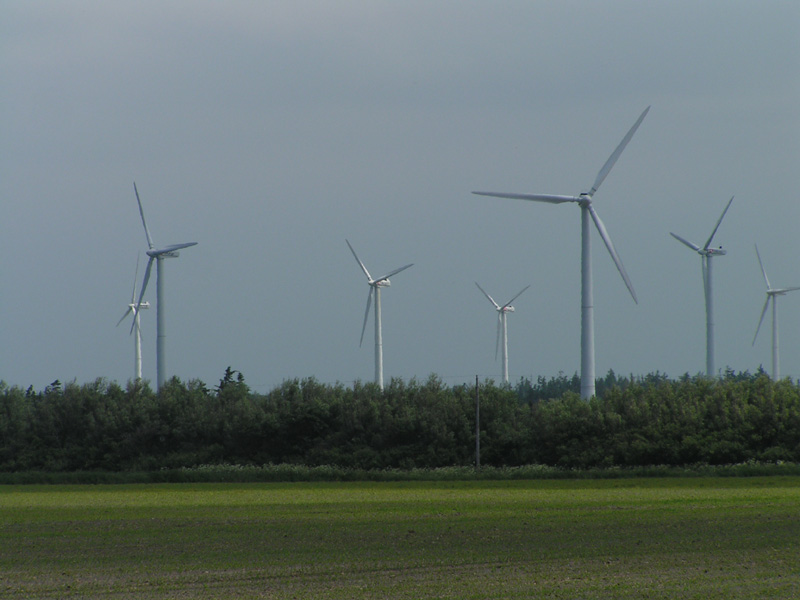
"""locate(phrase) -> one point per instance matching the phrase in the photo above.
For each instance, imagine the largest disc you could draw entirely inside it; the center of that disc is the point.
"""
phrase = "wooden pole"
(477, 427)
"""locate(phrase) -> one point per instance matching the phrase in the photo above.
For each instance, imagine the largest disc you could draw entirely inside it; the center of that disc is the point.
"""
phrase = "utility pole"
(477, 426)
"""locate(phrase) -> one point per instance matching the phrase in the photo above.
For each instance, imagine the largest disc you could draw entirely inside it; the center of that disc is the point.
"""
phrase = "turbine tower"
(375, 286)
(133, 308)
(588, 213)
(706, 254)
(158, 254)
(772, 295)
(502, 326)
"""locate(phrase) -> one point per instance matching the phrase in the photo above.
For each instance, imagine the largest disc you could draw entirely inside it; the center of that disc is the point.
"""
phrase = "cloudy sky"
(270, 132)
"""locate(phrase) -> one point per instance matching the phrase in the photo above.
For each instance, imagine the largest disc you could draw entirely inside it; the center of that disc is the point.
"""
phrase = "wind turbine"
(502, 326)
(706, 254)
(157, 254)
(772, 294)
(134, 308)
(584, 201)
(375, 286)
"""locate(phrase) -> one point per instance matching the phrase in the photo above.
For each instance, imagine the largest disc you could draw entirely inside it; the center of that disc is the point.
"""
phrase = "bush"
(101, 427)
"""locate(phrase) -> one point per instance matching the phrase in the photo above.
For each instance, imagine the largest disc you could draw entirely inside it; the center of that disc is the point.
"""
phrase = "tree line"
(633, 421)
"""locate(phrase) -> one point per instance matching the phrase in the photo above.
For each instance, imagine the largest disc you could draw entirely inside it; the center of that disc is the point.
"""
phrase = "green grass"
(273, 473)
(621, 538)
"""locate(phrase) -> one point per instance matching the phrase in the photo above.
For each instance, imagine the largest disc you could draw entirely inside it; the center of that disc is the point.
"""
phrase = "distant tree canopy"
(634, 421)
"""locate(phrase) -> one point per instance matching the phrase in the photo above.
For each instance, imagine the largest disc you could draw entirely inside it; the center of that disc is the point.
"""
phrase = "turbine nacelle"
(713, 252)
(506, 309)
(135, 307)
(381, 283)
(170, 251)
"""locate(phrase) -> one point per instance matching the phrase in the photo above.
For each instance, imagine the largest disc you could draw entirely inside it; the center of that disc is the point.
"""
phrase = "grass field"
(630, 538)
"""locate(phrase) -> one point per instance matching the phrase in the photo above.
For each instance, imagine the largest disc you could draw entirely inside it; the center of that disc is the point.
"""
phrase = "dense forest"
(633, 421)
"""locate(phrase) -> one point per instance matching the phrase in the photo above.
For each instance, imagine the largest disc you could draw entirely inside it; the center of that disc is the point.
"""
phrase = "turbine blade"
(497, 337)
(395, 272)
(761, 320)
(358, 260)
(610, 245)
(615, 155)
(144, 287)
(722, 216)
(763, 271)
(127, 312)
(507, 304)
(496, 305)
(135, 277)
(694, 247)
(141, 212)
(789, 289)
(366, 315)
(551, 198)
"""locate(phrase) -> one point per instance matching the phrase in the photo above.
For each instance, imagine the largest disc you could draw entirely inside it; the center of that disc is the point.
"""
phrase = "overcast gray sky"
(269, 132)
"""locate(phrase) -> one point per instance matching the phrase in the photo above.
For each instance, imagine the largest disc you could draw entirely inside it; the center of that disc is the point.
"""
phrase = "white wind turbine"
(502, 326)
(706, 254)
(584, 201)
(772, 294)
(157, 254)
(134, 308)
(375, 286)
